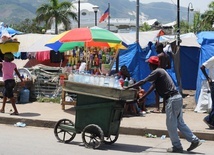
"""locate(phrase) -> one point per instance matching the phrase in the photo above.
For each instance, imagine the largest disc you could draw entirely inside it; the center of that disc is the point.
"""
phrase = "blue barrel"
(24, 95)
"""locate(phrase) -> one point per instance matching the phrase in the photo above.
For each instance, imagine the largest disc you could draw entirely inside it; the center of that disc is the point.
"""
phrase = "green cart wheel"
(92, 136)
(112, 139)
(61, 132)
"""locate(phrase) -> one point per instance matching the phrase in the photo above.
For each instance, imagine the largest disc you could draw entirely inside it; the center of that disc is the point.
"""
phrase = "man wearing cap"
(162, 82)
(164, 62)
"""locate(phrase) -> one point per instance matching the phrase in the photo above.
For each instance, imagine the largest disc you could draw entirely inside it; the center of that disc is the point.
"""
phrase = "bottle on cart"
(131, 82)
(126, 82)
(106, 81)
(70, 77)
(121, 80)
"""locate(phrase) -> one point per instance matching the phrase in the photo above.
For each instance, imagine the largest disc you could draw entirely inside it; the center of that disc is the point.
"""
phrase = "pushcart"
(99, 111)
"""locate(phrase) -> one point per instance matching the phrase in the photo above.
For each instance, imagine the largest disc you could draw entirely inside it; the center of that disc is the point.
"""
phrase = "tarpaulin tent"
(8, 31)
(33, 42)
(188, 59)
(134, 57)
(206, 40)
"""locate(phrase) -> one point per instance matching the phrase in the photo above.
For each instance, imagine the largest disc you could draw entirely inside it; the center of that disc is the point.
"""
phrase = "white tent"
(188, 39)
(144, 37)
(33, 42)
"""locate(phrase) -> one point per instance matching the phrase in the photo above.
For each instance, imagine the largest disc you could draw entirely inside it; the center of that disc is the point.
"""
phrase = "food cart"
(99, 111)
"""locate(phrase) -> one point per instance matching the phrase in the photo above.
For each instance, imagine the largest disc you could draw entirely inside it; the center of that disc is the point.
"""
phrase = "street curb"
(159, 133)
(123, 130)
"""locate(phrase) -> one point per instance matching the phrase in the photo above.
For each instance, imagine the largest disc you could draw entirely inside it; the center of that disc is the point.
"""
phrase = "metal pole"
(178, 22)
(109, 17)
(137, 21)
(188, 15)
(79, 14)
(95, 18)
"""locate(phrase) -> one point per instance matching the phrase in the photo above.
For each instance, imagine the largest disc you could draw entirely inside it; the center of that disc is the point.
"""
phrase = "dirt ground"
(189, 99)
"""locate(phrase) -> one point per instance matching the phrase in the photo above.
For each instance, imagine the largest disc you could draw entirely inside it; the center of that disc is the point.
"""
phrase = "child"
(8, 68)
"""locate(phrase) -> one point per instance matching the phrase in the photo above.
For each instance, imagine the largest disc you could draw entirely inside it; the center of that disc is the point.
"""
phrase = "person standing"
(209, 64)
(162, 82)
(8, 68)
(164, 62)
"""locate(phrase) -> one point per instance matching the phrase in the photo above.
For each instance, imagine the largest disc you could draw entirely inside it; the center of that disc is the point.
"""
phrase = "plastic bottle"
(101, 81)
(111, 81)
(121, 80)
(126, 82)
(70, 77)
(131, 82)
(106, 81)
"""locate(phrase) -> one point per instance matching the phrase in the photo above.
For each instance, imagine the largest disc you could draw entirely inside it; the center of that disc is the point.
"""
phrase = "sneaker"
(175, 150)
(194, 145)
(210, 125)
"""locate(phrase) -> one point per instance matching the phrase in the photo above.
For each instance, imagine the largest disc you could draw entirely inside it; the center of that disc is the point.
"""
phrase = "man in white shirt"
(209, 64)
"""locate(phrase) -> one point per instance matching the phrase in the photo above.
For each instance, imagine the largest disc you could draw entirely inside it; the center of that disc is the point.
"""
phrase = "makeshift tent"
(33, 42)
(144, 37)
(134, 58)
(8, 31)
(203, 99)
(135, 55)
(188, 59)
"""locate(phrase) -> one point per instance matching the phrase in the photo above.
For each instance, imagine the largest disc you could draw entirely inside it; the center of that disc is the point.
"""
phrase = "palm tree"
(197, 22)
(56, 13)
(208, 17)
(145, 27)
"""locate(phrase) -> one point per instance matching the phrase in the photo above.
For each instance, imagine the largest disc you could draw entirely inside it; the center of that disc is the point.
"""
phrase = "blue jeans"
(174, 121)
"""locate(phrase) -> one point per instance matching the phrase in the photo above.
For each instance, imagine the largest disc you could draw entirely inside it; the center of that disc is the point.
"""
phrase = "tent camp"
(203, 98)
(188, 59)
(134, 58)
(33, 42)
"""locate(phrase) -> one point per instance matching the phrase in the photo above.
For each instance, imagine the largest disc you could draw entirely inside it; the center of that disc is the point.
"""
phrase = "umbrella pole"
(60, 66)
(116, 58)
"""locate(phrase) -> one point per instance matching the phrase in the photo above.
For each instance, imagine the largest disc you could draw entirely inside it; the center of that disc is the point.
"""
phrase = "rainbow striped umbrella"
(87, 37)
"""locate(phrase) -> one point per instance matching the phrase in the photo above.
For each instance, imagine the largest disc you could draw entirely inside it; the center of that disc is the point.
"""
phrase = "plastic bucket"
(24, 95)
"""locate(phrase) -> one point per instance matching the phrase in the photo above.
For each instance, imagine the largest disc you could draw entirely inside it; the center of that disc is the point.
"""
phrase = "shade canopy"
(87, 37)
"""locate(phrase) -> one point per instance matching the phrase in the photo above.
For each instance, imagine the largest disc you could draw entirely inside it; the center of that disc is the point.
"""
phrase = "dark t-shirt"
(162, 81)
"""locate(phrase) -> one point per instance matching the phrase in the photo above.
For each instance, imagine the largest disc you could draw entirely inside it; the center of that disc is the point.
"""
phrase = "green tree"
(196, 22)
(28, 26)
(145, 27)
(208, 18)
(56, 13)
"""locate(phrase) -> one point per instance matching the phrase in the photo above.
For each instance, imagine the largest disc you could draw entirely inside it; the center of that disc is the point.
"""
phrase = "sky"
(198, 5)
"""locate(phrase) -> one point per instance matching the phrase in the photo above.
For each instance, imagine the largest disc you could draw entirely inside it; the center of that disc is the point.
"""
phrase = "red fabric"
(42, 56)
(104, 16)
(77, 34)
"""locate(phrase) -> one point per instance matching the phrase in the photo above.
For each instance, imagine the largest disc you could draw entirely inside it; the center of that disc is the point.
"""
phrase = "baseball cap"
(153, 60)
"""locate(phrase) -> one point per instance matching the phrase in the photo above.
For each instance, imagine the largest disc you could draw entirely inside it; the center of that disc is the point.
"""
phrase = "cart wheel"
(92, 136)
(61, 134)
(112, 139)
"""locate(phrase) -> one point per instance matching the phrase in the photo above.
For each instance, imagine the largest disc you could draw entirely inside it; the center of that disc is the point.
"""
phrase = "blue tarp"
(206, 40)
(189, 60)
(135, 59)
